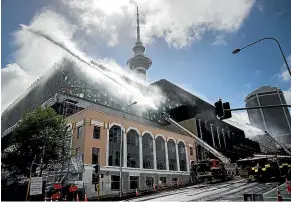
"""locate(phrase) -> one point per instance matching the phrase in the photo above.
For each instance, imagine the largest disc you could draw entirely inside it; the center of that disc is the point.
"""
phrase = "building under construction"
(155, 151)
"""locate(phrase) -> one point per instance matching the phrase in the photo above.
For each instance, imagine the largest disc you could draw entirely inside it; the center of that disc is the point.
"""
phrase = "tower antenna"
(138, 28)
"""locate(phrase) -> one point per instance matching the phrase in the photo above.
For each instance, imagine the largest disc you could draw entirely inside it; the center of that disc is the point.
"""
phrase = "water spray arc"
(100, 68)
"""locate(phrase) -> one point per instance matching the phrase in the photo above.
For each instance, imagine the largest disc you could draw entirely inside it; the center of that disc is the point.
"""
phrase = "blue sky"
(203, 66)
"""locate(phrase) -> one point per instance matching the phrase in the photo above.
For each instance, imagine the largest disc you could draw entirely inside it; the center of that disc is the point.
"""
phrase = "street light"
(270, 38)
(121, 149)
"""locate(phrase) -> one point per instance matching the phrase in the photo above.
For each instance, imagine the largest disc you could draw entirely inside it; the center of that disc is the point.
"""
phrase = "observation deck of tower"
(139, 63)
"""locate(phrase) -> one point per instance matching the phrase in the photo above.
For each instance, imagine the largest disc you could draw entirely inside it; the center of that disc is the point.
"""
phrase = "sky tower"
(139, 63)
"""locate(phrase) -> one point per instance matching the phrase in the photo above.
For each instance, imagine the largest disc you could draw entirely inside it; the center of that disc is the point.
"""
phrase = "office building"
(274, 120)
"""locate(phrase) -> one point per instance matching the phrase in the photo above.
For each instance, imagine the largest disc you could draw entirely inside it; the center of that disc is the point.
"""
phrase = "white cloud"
(14, 81)
(88, 23)
(285, 76)
(258, 72)
(220, 40)
(180, 23)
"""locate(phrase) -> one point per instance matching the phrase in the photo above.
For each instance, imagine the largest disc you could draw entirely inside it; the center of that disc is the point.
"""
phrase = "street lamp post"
(121, 149)
(266, 38)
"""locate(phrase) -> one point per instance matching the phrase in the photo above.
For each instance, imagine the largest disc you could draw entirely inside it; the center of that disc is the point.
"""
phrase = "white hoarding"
(36, 186)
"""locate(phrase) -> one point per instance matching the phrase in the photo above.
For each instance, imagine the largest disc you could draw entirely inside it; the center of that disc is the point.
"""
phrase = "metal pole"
(267, 106)
(270, 38)
(28, 187)
(121, 157)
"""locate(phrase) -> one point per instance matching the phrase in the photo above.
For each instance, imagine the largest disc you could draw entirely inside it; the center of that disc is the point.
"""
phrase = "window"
(114, 158)
(134, 182)
(96, 132)
(171, 147)
(160, 153)
(77, 150)
(114, 134)
(79, 135)
(114, 182)
(95, 155)
(149, 182)
(147, 162)
(183, 165)
(172, 164)
(147, 151)
(114, 146)
(163, 180)
(133, 149)
(161, 165)
(191, 151)
(147, 141)
(183, 150)
(160, 145)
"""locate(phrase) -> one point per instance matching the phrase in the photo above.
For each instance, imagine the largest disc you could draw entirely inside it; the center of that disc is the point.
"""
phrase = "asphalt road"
(227, 191)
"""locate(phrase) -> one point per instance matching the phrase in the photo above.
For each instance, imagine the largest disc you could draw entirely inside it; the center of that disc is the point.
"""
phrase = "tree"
(41, 137)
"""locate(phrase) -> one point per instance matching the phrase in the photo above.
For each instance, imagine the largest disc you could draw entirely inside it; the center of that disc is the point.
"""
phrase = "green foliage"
(41, 135)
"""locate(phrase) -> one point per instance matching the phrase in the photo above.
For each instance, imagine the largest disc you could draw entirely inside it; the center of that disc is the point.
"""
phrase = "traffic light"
(97, 168)
(219, 108)
(222, 110)
(33, 168)
(227, 114)
(95, 178)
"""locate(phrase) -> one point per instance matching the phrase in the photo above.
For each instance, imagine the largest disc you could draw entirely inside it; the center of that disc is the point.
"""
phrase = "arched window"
(147, 151)
(132, 149)
(114, 146)
(182, 156)
(161, 155)
(172, 155)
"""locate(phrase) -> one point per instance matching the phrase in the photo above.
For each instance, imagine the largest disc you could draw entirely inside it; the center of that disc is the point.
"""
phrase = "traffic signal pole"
(261, 107)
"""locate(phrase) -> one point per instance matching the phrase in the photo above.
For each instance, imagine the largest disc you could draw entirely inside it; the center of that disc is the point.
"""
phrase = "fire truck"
(259, 167)
(209, 171)
(212, 169)
(265, 168)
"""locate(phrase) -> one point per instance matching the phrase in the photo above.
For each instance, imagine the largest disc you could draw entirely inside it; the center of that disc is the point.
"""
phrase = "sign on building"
(36, 186)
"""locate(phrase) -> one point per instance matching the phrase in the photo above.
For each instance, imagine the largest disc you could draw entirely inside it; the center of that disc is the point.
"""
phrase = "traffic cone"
(288, 186)
(77, 198)
(85, 197)
(136, 192)
(279, 197)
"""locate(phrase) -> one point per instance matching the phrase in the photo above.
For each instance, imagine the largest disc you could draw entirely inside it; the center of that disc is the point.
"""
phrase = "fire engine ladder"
(210, 149)
(281, 145)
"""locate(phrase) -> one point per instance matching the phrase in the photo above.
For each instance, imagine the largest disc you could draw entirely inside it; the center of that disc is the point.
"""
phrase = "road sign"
(36, 186)
(57, 186)
(73, 188)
